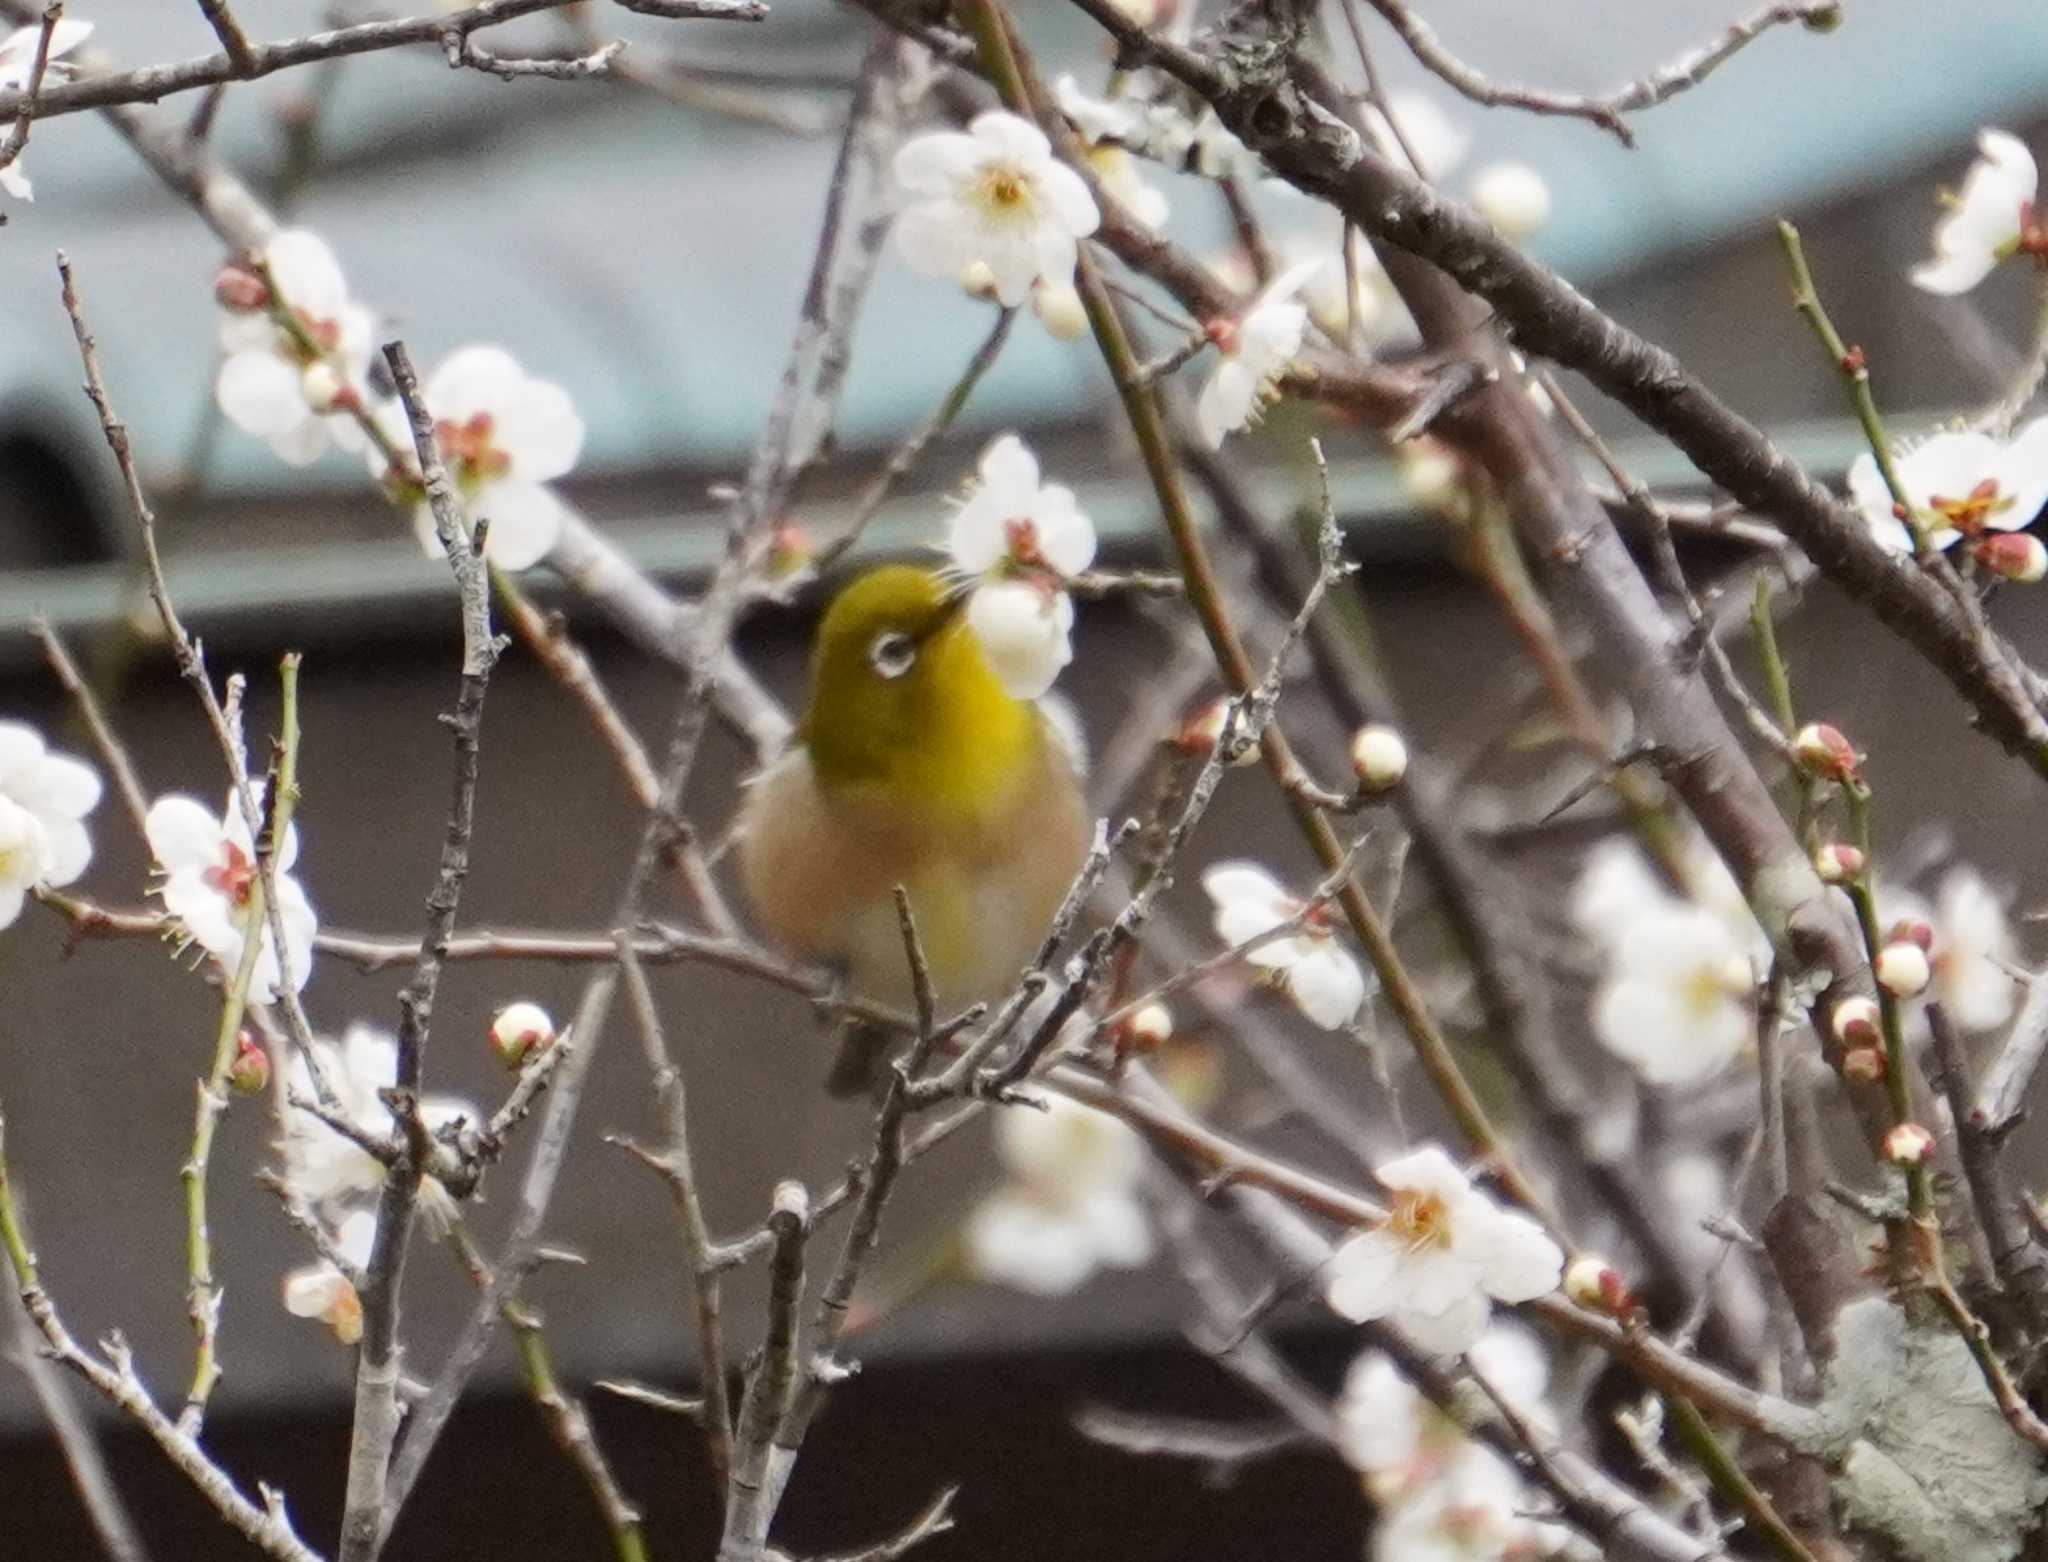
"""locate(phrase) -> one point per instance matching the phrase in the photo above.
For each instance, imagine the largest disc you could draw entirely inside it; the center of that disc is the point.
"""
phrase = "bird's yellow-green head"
(904, 705)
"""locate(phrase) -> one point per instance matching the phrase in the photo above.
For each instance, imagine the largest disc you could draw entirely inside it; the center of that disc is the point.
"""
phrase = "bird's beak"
(949, 609)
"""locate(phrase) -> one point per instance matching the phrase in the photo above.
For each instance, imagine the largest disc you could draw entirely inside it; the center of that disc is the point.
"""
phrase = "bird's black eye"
(892, 653)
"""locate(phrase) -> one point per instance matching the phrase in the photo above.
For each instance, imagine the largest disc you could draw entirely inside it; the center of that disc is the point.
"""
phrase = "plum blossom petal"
(1443, 1255)
(24, 858)
(503, 434)
(322, 1291)
(1993, 217)
(1020, 540)
(57, 792)
(1024, 632)
(994, 196)
(1255, 351)
(1313, 966)
(262, 384)
(1069, 1204)
(210, 877)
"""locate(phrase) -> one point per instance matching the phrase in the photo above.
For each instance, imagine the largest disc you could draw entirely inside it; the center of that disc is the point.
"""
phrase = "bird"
(913, 765)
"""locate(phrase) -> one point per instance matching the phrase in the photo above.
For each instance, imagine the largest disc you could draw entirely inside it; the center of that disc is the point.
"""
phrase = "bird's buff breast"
(821, 870)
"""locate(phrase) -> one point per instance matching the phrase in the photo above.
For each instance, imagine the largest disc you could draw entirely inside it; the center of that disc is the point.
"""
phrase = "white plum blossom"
(504, 436)
(1069, 1205)
(1255, 351)
(269, 384)
(1476, 1510)
(1442, 1257)
(1992, 219)
(1678, 974)
(44, 798)
(1675, 1003)
(1513, 197)
(322, 1291)
(17, 65)
(1961, 484)
(1312, 964)
(1110, 127)
(1019, 541)
(23, 853)
(1391, 1433)
(328, 1169)
(210, 879)
(1974, 949)
(993, 194)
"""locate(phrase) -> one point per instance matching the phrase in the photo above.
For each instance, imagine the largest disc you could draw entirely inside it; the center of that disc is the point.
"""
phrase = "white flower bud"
(1823, 751)
(2016, 556)
(1866, 1064)
(978, 281)
(521, 1032)
(1378, 757)
(1431, 475)
(1151, 1026)
(1513, 197)
(1060, 311)
(1908, 1145)
(322, 385)
(1902, 969)
(1855, 1021)
(1594, 1283)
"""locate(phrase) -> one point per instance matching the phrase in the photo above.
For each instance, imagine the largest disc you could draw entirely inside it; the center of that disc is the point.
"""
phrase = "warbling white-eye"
(913, 766)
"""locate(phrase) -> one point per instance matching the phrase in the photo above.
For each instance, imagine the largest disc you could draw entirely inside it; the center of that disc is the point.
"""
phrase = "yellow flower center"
(1969, 514)
(1004, 193)
(1712, 983)
(1419, 1220)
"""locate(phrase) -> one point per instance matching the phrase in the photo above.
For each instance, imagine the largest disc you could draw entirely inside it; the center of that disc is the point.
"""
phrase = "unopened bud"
(1593, 1282)
(1908, 1145)
(1837, 863)
(239, 290)
(1060, 311)
(2017, 556)
(1821, 750)
(1201, 732)
(1513, 197)
(521, 1032)
(1378, 757)
(1855, 1022)
(1902, 969)
(978, 281)
(1864, 1064)
(1911, 930)
(322, 385)
(1822, 19)
(790, 550)
(249, 1074)
(1149, 1028)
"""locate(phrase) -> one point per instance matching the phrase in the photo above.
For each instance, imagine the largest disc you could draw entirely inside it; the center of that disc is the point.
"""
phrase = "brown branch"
(153, 83)
(30, 97)
(1606, 109)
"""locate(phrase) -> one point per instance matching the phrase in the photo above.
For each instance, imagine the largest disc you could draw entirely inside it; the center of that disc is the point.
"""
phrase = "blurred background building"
(649, 256)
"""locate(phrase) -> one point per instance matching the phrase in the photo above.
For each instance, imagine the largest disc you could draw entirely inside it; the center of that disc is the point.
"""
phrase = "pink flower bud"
(1837, 863)
(1908, 1145)
(239, 290)
(521, 1031)
(2017, 556)
(1378, 757)
(1902, 969)
(790, 550)
(1864, 1064)
(249, 1074)
(1855, 1022)
(1911, 930)
(1821, 750)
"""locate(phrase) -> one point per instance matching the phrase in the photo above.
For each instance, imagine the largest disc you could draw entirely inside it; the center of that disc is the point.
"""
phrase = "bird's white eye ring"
(892, 654)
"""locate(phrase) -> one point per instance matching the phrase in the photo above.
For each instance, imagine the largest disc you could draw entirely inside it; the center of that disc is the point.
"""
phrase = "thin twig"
(113, 753)
(153, 83)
